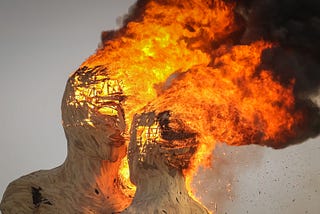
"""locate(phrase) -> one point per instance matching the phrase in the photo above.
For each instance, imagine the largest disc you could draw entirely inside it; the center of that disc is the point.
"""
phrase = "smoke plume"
(294, 25)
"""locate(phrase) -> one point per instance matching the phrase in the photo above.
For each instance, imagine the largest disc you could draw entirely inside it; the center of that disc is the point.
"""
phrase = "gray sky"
(43, 41)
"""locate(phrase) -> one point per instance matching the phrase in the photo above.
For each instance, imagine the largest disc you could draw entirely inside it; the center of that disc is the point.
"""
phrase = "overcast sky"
(43, 41)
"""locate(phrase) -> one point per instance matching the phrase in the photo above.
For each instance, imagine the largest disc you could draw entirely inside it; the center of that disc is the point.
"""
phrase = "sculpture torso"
(48, 191)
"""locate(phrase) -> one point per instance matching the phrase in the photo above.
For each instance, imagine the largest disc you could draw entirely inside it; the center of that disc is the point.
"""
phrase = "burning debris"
(184, 75)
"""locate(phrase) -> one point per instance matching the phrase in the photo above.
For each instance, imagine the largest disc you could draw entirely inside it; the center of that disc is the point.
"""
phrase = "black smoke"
(294, 26)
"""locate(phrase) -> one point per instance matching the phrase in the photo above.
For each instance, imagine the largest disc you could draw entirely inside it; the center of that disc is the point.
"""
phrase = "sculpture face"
(92, 112)
(160, 143)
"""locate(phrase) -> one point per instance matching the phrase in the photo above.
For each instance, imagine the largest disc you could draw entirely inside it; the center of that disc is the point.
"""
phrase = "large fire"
(181, 56)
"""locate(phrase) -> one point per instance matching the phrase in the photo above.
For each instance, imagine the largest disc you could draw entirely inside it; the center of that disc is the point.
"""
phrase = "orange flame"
(166, 40)
(229, 102)
(166, 57)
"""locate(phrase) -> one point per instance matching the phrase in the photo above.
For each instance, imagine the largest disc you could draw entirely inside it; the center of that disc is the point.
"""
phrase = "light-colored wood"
(156, 168)
(87, 182)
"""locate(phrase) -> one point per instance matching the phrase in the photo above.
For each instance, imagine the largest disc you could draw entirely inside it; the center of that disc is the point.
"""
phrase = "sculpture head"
(92, 112)
(160, 142)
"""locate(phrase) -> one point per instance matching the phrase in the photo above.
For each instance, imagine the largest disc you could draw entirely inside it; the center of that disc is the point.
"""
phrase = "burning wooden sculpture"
(88, 180)
(160, 148)
(185, 55)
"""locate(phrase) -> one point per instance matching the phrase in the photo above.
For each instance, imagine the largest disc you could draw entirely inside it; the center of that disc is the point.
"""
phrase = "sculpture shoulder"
(23, 194)
(17, 198)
